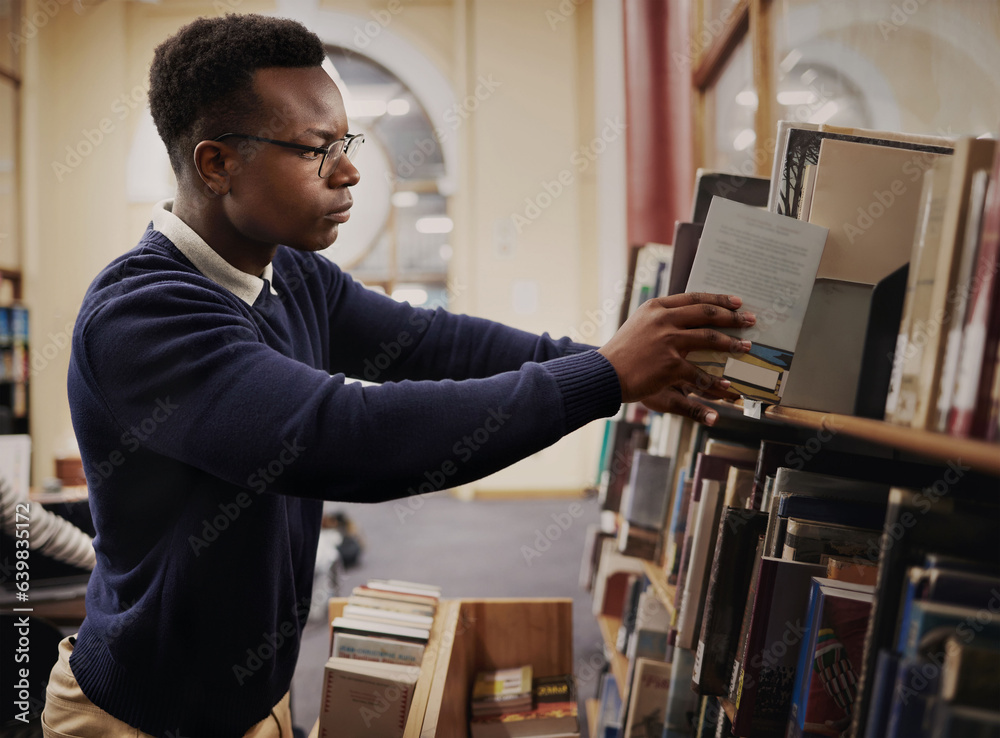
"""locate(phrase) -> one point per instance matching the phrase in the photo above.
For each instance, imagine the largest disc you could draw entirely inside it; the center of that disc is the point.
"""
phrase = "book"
(357, 626)
(829, 659)
(408, 588)
(967, 257)
(901, 400)
(686, 238)
(682, 703)
(767, 672)
(369, 648)
(648, 496)
(609, 708)
(553, 712)
(739, 188)
(970, 675)
(420, 599)
(918, 523)
(729, 583)
(981, 331)
(971, 155)
(770, 262)
(813, 542)
(392, 605)
(387, 616)
(647, 699)
(365, 698)
(851, 570)
(799, 146)
(499, 691)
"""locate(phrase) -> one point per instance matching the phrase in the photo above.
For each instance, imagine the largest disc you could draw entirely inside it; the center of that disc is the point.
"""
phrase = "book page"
(770, 261)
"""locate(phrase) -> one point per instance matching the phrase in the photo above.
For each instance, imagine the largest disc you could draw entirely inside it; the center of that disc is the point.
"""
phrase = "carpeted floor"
(469, 549)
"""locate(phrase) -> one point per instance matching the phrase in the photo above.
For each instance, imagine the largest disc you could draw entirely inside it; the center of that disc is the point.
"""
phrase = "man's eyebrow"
(326, 135)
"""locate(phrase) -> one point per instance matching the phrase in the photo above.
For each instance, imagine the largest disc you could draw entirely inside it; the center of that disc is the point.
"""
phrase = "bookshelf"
(619, 664)
(471, 635)
(983, 456)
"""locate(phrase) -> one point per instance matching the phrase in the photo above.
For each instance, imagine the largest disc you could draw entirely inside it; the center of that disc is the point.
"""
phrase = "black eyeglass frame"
(345, 142)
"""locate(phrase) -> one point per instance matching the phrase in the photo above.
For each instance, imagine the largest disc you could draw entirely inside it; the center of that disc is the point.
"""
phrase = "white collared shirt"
(245, 286)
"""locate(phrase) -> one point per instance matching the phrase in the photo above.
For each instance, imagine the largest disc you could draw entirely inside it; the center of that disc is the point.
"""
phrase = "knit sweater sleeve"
(376, 338)
(238, 409)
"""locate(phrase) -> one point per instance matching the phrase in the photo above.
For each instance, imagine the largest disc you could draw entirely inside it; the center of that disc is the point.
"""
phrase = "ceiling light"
(398, 106)
(405, 199)
(436, 224)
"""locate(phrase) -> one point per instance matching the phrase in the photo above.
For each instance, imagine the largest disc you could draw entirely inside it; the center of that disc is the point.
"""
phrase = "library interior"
(506, 458)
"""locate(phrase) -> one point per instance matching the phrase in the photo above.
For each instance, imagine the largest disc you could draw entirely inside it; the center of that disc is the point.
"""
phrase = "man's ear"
(215, 162)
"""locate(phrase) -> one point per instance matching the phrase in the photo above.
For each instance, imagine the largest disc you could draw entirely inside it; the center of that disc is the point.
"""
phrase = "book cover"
(388, 616)
(770, 262)
(767, 676)
(729, 582)
(367, 648)
(970, 675)
(737, 187)
(356, 626)
(802, 147)
(648, 490)
(553, 712)
(393, 605)
(682, 703)
(829, 660)
(648, 699)
(686, 238)
(610, 707)
(365, 698)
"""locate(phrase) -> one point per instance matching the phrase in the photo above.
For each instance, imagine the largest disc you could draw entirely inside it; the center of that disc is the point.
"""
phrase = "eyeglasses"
(329, 156)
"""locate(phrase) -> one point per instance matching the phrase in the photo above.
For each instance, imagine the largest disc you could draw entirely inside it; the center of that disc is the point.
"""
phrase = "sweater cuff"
(589, 386)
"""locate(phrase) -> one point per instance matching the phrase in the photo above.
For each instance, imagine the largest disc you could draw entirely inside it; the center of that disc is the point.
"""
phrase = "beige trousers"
(69, 714)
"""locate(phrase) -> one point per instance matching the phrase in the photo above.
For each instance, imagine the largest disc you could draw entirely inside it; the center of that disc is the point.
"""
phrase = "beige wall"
(521, 137)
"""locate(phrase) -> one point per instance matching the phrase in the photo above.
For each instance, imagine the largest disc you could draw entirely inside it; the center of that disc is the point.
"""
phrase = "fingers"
(706, 339)
(702, 314)
(730, 302)
(676, 403)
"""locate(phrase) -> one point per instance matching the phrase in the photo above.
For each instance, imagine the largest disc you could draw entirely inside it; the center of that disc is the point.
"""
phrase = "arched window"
(399, 232)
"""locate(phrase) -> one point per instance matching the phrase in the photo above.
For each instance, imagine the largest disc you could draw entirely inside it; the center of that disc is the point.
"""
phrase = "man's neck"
(211, 224)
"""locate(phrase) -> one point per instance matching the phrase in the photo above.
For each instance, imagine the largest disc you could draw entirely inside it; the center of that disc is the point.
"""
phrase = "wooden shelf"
(473, 635)
(619, 664)
(665, 593)
(983, 456)
(593, 708)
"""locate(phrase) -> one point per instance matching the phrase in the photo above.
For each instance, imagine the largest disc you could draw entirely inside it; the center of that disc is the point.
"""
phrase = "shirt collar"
(245, 286)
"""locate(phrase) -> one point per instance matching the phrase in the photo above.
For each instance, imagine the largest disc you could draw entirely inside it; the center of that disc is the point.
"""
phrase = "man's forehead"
(307, 97)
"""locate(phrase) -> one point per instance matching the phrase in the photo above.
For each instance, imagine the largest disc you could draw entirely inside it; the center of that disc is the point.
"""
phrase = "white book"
(703, 546)
(769, 261)
(368, 648)
(407, 589)
(433, 589)
(368, 627)
(392, 616)
(381, 603)
(365, 698)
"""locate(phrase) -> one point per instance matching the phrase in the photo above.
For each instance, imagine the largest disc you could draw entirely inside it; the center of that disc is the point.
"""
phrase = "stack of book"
(376, 648)
(509, 703)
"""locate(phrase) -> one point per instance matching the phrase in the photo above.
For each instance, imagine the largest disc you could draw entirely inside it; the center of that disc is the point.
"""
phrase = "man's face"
(277, 196)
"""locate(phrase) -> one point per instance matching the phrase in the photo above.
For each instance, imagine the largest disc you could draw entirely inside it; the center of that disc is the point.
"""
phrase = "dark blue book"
(882, 687)
(825, 510)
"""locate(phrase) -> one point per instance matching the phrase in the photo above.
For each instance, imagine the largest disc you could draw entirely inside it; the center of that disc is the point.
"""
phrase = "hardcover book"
(365, 698)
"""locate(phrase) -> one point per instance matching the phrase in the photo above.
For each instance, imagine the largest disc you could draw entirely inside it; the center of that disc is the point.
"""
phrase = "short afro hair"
(201, 79)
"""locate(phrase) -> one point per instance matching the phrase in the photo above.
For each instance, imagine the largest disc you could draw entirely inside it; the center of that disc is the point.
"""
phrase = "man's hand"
(649, 352)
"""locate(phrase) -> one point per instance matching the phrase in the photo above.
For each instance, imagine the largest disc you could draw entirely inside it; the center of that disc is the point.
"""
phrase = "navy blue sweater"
(211, 430)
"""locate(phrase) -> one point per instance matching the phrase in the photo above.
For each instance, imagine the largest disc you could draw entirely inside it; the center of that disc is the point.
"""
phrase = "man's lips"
(342, 214)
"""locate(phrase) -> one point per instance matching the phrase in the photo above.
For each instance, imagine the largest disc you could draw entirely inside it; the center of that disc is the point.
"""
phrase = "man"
(208, 396)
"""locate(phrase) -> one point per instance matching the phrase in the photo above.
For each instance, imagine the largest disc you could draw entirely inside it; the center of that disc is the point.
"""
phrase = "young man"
(208, 396)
